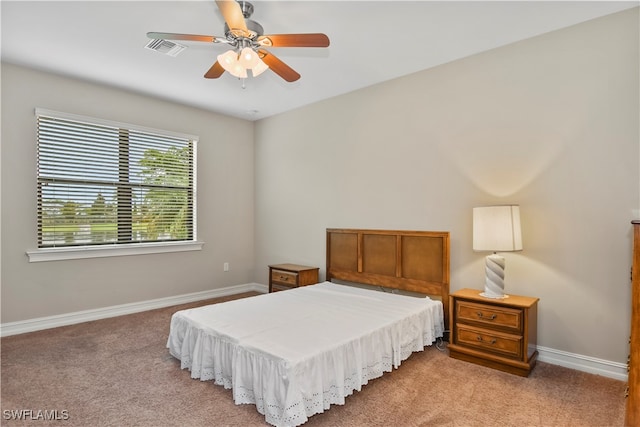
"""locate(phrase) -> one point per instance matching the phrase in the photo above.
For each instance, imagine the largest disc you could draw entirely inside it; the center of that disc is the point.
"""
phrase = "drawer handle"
(492, 342)
(483, 317)
(283, 277)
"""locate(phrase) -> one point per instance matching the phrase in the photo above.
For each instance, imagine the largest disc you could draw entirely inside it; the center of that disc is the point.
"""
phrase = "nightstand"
(287, 276)
(497, 333)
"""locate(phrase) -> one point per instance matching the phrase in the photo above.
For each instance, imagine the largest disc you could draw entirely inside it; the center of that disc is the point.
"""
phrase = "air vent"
(165, 46)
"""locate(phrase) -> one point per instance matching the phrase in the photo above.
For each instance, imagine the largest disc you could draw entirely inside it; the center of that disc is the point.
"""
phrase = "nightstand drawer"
(497, 333)
(483, 314)
(486, 340)
(288, 276)
(284, 277)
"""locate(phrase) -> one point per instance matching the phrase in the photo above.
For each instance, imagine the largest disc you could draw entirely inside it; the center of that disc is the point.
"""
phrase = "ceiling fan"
(247, 41)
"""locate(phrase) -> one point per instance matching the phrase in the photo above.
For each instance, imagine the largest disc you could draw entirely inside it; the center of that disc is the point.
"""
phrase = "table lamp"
(496, 229)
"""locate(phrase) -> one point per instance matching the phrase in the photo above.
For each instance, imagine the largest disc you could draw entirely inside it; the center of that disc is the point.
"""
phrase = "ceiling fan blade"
(232, 14)
(294, 40)
(178, 36)
(279, 67)
(214, 72)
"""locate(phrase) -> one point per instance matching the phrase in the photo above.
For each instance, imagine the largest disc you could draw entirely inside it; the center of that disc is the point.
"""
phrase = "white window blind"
(108, 183)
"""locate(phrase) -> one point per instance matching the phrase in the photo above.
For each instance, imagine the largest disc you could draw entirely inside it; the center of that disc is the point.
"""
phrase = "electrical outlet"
(226, 266)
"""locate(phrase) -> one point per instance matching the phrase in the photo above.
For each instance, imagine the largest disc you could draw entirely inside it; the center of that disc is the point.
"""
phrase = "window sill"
(60, 254)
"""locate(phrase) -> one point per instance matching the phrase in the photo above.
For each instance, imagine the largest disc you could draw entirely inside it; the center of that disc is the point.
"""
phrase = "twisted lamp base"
(494, 282)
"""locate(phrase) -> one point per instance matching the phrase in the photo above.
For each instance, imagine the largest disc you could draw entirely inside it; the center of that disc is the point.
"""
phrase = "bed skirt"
(332, 355)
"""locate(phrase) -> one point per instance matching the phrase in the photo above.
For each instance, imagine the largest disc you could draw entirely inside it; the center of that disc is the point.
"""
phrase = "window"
(104, 183)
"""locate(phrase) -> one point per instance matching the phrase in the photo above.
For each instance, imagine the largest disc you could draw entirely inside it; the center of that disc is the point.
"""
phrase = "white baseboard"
(32, 325)
(579, 362)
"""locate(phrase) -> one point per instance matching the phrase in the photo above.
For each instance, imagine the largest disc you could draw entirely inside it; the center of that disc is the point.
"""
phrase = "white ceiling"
(371, 41)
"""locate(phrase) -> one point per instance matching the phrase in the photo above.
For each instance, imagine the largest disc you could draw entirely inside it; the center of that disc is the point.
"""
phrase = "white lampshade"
(239, 71)
(259, 68)
(497, 229)
(248, 58)
(237, 65)
(229, 61)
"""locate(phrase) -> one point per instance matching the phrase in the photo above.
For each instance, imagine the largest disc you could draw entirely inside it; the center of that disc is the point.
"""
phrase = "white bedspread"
(295, 353)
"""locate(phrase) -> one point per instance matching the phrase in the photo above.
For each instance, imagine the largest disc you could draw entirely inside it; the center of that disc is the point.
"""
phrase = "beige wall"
(225, 190)
(550, 123)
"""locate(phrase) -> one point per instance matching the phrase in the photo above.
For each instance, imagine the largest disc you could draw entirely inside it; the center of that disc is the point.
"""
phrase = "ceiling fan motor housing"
(255, 30)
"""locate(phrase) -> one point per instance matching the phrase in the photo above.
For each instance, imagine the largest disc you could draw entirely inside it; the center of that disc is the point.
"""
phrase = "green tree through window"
(109, 183)
(165, 209)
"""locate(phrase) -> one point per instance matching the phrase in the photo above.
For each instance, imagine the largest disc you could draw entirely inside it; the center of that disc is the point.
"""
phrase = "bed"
(295, 353)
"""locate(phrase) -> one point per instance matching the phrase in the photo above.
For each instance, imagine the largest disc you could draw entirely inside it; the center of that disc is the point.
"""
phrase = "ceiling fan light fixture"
(237, 65)
(237, 70)
(240, 72)
(248, 58)
(259, 68)
(229, 61)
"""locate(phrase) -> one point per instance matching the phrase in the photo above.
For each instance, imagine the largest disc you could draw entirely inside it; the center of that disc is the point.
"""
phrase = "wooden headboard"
(415, 261)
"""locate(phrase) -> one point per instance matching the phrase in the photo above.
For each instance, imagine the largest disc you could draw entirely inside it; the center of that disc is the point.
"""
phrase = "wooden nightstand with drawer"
(287, 276)
(498, 333)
